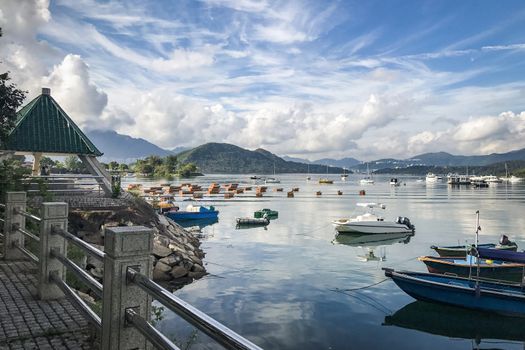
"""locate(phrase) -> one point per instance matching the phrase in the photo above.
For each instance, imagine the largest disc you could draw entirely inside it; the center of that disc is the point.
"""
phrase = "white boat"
(371, 223)
(344, 175)
(492, 179)
(368, 179)
(394, 182)
(272, 180)
(431, 178)
(512, 179)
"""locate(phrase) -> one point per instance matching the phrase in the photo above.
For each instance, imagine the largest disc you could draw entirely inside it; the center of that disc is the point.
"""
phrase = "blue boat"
(193, 212)
(501, 298)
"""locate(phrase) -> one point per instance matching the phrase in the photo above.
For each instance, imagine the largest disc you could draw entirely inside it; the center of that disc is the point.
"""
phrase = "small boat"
(371, 240)
(431, 178)
(465, 267)
(458, 180)
(462, 250)
(371, 223)
(367, 180)
(479, 183)
(394, 182)
(326, 181)
(271, 214)
(512, 179)
(492, 179)
(253, 221)
(193, 212)
(344, 175)
(272, 180)
(255, 177)
(494, 297)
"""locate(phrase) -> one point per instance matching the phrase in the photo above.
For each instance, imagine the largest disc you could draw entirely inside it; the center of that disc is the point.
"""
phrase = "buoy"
(290, 194)
(318, 193)
(339, 193)
(362, 192)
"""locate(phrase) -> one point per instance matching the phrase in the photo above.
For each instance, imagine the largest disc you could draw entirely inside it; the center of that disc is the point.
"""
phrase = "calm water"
(287, 287)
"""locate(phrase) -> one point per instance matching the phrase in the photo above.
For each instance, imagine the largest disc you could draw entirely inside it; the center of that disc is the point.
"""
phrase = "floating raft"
(253, 221)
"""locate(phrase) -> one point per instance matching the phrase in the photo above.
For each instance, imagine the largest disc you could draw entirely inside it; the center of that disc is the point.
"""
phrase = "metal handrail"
(214, 329)
(26, 252)
(65, 176)
(159, 340)
(27, 233)
(88, 248)
(2, 220)
(2, 205)
(92, 283)
(75, 299)
(28, 215)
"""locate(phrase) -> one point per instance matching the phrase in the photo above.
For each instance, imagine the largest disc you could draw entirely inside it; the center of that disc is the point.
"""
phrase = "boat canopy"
(371, 205)
(501, 255)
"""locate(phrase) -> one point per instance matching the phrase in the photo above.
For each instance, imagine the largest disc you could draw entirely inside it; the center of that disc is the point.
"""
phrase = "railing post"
(54, 215)
(14, 201)
(128, 246)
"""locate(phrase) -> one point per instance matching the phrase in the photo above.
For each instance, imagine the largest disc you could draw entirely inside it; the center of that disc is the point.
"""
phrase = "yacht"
(368, 179)
(394, 182)
(431, 178)
(344, 175)
(492, 179)
(272, 180)
(371, 223)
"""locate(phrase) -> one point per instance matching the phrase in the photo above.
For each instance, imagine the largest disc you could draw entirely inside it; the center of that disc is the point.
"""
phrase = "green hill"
(515, 167)
(230, 159)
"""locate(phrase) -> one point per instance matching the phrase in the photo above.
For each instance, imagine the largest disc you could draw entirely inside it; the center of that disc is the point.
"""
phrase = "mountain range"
(126, 149)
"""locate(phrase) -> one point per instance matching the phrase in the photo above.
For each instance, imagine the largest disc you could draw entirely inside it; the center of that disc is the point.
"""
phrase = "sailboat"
(326, 180)
(273, 180)
(344, 175)
(510, 179)
(368, 179)
(308, 178)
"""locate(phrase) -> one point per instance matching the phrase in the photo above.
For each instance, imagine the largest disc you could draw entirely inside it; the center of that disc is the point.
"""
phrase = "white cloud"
(279, 33)
(72, 87)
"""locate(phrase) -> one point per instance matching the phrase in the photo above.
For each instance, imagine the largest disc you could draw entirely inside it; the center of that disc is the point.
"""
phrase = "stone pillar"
(36, 164)
(14, 201)
(128, 246)
(54, 215)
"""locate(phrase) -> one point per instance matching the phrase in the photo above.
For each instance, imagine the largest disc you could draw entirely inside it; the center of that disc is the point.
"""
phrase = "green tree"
(123, 167)
(10, 99)
(113, 165)
(72, 163)
(46, 161)
(187, 170)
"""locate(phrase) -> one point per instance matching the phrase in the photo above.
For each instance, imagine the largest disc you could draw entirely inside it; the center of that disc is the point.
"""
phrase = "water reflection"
(201, 223)
(372, 241)
(454, 322)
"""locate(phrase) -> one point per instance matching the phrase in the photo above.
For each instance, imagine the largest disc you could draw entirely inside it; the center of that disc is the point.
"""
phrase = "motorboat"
(367, 180)
(270, 214)
(193, 212)
(462, 250)
(264, 221)
(326, 180)
(344, 175)
(394, 182)
(492, 179)
(511, 179)
(371, 223)
(371, 240)
(457, 180)
(431, 178)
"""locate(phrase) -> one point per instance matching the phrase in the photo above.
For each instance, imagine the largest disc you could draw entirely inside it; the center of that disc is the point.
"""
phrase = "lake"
(292, 286)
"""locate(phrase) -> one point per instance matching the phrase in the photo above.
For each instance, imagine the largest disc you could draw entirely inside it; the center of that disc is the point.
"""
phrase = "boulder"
(178, 272)
(160, 251)
(171, 260)
(197, 268)
(160, 276)
(162, 267)
(196, 275)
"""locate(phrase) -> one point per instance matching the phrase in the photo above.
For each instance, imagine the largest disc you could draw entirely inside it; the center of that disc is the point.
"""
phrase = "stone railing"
(128, 289)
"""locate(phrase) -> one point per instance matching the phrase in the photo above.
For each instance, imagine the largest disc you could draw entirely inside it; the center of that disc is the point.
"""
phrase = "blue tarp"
(502, 255)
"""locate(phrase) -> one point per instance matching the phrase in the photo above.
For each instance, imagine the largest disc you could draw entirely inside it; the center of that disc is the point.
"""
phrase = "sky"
(310, 79)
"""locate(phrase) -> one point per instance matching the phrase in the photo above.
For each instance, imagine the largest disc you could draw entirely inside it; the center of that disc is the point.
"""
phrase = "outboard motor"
(405, 221)
(504, 240)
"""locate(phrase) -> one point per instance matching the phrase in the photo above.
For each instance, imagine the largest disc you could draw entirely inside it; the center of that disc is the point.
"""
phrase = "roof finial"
(46, 91)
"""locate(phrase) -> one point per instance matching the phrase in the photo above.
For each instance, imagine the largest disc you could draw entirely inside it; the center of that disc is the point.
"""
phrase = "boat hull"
(371, 227)
(461, 251)
(181, 215)
(495, 271)
(493, 297)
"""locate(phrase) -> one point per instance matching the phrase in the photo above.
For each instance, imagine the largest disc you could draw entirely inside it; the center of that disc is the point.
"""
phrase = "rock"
(196, 260)
(171, 260)
(97, 272)
(162, 267)
(87, 298)
(197, 268)
(178, 272)
(196, 275)
(160, 276)
(160, 251)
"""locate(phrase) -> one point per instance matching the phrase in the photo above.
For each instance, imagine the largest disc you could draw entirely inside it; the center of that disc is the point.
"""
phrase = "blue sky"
(367, 79)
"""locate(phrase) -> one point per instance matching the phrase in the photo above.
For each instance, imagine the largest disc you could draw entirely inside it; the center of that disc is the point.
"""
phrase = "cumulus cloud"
(71, 86)
(477, 135)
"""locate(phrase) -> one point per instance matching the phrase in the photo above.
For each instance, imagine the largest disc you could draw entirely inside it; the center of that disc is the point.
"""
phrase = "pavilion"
(44, 128)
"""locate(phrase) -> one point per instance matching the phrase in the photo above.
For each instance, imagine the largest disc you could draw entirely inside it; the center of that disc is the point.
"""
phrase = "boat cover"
(502, 255)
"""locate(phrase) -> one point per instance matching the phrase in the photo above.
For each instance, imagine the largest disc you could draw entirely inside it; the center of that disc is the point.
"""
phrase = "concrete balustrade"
(125, 247)
(15, 201)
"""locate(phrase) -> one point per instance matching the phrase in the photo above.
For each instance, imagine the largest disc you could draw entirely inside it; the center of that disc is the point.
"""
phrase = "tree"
(46, 161)
(113, 165)
(10, 99)
(123, 167)
(187, 170)
(72, 163)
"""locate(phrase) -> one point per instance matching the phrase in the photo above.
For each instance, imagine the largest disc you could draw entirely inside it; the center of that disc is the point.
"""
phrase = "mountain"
(297, 160)
(231, 159)
(514, 167)
(342, 163)
(123, 148)
(447, 159)
(179, 149)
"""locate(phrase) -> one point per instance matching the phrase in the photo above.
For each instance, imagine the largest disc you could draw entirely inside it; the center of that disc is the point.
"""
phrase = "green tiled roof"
(43, 126)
